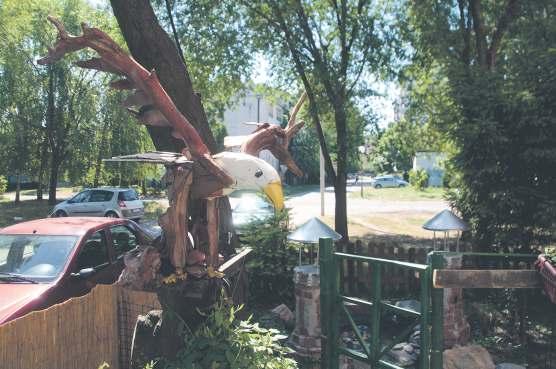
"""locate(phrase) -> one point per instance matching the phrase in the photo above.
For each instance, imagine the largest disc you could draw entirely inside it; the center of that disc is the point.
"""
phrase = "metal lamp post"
(446, 221)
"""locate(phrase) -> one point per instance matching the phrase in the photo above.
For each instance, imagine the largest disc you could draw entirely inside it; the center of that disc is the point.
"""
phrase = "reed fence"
(81, 333)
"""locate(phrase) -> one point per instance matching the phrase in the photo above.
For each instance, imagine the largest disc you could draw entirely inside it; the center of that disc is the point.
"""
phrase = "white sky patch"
(261, 69)
(383, 103)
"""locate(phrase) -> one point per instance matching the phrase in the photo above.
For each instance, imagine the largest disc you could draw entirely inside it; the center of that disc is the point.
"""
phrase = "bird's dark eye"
(258, 173)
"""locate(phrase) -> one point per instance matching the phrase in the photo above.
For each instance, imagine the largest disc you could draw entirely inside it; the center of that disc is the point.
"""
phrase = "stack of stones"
(404, 354)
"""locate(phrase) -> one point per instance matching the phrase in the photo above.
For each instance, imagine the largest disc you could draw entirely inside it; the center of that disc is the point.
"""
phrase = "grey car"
(102, 202)
(388, 181)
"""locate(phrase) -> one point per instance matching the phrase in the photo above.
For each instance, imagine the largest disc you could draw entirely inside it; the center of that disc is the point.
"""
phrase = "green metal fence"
(374, 353)
(431, 296)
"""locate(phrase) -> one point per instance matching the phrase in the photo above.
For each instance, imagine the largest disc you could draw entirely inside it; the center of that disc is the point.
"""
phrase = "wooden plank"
(445, 278)
(235, 263)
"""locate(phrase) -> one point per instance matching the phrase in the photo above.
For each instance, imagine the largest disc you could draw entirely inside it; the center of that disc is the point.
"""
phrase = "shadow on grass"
(11, 213)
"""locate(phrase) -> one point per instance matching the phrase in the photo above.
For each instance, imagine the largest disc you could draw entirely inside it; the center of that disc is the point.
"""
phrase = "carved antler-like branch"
(113, 59)
(276, 139)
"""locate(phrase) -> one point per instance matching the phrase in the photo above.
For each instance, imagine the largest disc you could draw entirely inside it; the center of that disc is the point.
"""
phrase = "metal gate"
(333, 307)
(489, 271)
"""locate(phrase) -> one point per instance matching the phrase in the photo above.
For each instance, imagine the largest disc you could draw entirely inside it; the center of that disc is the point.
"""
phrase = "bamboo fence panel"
(80, 333)
(131, 304)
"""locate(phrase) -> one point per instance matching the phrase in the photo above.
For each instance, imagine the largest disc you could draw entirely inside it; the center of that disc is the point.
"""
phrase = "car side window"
(100, 196)
(81, 197)
(94, 252)
(123, 239)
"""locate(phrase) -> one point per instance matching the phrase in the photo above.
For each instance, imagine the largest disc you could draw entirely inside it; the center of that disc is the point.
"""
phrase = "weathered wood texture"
(444, 278)
(83, 332)
(398, 282)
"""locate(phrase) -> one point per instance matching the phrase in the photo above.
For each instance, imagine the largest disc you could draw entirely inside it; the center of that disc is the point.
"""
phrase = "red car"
(46, 261)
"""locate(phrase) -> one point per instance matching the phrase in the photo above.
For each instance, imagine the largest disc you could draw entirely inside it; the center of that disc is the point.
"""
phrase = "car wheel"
(60, 213)
(378, 186)
(111, 214)
(401, 185)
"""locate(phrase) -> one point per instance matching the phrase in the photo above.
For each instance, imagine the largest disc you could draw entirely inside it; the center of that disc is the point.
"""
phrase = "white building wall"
(433, 163)
(245, 110)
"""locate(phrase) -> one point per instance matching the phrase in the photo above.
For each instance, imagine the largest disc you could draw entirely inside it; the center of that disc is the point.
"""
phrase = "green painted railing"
(374, 352)
(430, 318)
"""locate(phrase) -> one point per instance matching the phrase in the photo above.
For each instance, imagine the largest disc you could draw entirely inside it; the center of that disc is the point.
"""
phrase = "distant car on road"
(102, 202)
(388, 181)
(250, 207)
(46, 261)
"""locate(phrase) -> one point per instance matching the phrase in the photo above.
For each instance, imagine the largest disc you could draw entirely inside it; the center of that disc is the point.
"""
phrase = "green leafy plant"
(419, 179)
(224, 342)
(3, 185)
(550, 255)
(272, 261)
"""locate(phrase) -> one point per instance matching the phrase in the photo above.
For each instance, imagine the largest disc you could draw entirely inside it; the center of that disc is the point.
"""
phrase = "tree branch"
(510, 13)
(116, 60)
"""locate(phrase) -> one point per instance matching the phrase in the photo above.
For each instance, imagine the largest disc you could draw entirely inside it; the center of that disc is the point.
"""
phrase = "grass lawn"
(400, 194)
(27, 210)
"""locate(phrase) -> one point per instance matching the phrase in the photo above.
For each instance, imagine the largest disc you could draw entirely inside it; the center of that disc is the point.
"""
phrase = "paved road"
(306, 206)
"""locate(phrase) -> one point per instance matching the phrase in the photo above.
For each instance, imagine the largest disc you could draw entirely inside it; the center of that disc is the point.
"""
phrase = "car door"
(99, 202)
(93, 253)
(389, 182)
(124, 239)
(75, 206)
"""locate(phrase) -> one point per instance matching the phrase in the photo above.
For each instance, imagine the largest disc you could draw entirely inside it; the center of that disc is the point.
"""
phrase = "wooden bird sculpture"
(205, 176)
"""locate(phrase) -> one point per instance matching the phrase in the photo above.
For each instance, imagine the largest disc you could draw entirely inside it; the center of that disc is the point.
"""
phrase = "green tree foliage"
(328, 46)
(272, 261)
(61, 121)
(497, 59)
(3, 185)
(419, 179)
(218, 51)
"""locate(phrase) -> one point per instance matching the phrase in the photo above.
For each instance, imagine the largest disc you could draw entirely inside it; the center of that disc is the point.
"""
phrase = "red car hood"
(15, 298)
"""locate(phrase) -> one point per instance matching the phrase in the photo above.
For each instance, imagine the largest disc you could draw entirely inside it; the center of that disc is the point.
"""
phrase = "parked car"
(44, 262)
(102, 202)
(388, 181)
(250, 207)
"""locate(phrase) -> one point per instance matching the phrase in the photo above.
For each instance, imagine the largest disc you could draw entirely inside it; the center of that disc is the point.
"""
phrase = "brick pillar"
(456, 327)
(305, 339)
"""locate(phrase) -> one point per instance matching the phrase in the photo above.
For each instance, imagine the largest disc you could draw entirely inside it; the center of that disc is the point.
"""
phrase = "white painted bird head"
(251, 173)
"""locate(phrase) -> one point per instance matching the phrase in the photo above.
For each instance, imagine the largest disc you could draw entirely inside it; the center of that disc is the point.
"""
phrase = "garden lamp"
(446, 221)
(310, 232)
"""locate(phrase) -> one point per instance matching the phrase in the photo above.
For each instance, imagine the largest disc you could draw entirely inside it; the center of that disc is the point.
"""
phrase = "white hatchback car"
(388, 181)
(102, 202)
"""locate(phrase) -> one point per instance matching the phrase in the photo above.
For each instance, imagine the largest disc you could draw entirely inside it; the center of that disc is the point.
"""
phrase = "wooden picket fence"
(355, 275)
(81, 333)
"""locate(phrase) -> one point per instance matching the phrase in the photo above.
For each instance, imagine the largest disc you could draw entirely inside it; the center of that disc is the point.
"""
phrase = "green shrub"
(3, 185)
(272, 261)
(550, 254)
(419, 179)
(224, 342)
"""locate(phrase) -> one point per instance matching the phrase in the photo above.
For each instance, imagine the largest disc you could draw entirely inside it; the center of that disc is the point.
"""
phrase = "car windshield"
(129, 195)
(252, 203)
(38, 258)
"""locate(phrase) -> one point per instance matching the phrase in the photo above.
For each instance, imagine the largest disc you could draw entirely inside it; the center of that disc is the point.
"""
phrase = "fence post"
(329, 291)
(436, 261)
(375, 313)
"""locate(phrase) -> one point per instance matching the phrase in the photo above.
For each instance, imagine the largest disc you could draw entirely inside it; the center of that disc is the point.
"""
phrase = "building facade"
(433, 163)
(250, 108)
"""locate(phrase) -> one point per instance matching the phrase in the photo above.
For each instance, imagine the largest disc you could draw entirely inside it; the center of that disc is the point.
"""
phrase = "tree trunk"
(54, 169)
(101, 148)
(151, 46)
(340, 219)
(43, 160)
(17, 186)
